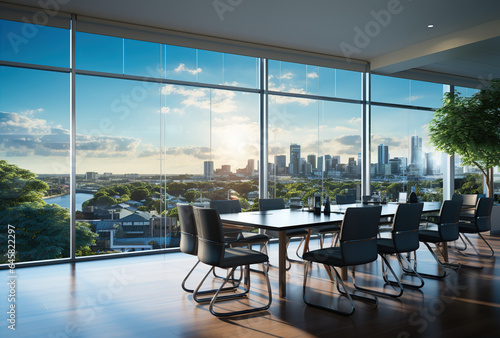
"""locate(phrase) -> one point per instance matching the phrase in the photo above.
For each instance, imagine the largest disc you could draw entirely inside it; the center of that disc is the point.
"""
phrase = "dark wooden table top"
(286, 219)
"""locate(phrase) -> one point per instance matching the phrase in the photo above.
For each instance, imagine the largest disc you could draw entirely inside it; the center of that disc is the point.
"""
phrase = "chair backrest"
(345, 199)
(483, 213)
(358, 235)
(271, 204)
(448, 220)
(469, 201)
(405, 227)
(210, 235)
(226, 206)
(189, 234)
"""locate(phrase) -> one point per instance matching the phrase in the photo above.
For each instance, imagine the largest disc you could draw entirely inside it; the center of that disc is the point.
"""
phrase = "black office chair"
(404, 238)
(189, 242)
(278, 203)
(479, 222)
(447, 231)
(242, 238)
(212, 250)
(358, 245)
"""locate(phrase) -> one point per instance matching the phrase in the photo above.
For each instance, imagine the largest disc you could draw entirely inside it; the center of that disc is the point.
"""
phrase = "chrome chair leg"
(308, 266)
(440, 265)
(462, 251)
(216, 297)
(411, 272)
(384, 274)
(229, 278)
(183, 285)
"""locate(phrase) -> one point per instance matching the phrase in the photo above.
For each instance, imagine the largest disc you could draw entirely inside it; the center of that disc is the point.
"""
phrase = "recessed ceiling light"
(430, 26)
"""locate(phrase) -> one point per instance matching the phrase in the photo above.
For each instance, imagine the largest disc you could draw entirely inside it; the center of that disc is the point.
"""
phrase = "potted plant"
(470, 128)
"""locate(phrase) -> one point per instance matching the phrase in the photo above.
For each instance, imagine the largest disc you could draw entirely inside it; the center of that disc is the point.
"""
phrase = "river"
(63, 200)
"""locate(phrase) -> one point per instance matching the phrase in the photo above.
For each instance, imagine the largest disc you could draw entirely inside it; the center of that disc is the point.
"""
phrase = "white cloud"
(164, 110)
(286, 76)
(312, 75)
(355, 120)
(182, 68)
(23, 135)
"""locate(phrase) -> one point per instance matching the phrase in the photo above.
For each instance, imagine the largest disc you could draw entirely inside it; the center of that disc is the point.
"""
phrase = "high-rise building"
(294, 158)
(328, 163)
(416, 150)
(250, 166)
(91, 175)
(321, 166)
(383, 158)
(429, 163)
(416, 167)
(311, 159)
(334, 162)
(280, 164)
(208, 170)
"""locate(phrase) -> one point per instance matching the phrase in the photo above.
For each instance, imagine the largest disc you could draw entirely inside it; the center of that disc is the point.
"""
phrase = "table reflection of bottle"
(327, 205)
(317, 204)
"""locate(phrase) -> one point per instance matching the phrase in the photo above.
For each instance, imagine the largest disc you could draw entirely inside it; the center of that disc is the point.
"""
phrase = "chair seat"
(329, 256)
(429, 236)
(241, 256)
(468, 228)
(326, 229)
(386, 246)
(296, 233)
(252, 238)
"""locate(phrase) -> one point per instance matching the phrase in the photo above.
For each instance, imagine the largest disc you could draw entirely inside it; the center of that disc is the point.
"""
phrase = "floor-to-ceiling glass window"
(314, 143)
(402, 158)
(34, 145)
(468, 179)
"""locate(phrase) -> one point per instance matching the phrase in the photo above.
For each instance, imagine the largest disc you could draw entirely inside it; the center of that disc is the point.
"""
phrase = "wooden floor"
(142, 297)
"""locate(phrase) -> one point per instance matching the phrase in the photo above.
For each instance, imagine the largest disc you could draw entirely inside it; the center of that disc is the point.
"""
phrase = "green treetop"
(470, 128)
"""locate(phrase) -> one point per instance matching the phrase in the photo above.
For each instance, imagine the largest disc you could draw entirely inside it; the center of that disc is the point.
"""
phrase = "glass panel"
(142, 58)
(348, 84)
(402, 158)
(467, 92)
(241, 71)
(211, 65)
(390, 89)
(34, 165)
(409, 92)
(181, 64)
(426, 94)
(313, 80)
(118, 163)
(468, 179)
(99, 53)
(314, 147)
(28, 43)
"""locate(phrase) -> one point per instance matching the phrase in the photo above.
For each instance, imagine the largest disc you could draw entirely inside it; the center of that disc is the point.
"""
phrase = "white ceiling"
(465, 40)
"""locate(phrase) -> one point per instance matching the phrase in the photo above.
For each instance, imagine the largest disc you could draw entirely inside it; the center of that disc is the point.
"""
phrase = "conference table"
(287, 219)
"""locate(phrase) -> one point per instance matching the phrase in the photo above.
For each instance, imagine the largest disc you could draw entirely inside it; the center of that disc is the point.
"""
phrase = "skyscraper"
(383, 158)
(208, 170)
(294, 158)
(416, 150)
(416, 167)
(328, 163)
(280, 164)
(250, 166)
(311, 159)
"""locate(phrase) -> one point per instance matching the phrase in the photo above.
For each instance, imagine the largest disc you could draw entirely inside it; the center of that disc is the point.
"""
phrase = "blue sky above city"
(123, 125)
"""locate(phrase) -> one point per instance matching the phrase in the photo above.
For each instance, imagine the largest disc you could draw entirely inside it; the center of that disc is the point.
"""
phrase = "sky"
(123, 126)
